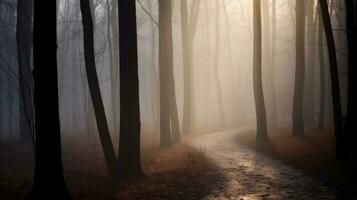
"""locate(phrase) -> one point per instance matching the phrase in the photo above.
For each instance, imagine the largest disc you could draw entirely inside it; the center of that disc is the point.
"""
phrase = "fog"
(223, 84)
(222, 73)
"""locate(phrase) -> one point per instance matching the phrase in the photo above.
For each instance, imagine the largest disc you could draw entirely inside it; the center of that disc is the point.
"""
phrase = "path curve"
(250, 175)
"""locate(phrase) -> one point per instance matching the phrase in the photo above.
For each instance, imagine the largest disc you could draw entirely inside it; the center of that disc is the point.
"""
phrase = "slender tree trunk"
(297, 118)
(94, 88)
(113, 69)
(216, 67)
(309, 93)
(262, 134)
(24, 48)
(351, 19)
(154, 78)
(187, 69)
(335, 83)
(189, 26)
(266, 60)
(174, 119)
(321, 123)
(49, 177)
(130, 125)
(272, 76)
(230, 61)
(165, 63)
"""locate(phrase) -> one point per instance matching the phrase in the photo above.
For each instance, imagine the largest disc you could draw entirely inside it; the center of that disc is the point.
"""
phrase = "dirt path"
(249, 175)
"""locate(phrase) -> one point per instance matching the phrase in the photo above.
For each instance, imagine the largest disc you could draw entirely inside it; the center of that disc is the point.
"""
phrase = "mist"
(176, 88)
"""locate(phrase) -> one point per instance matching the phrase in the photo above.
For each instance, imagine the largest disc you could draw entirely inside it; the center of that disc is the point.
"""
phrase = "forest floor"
(225, 165)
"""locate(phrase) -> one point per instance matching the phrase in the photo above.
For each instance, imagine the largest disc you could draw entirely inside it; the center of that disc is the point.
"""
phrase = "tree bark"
(335, 83)
(24, 49)
(189, 25)
(165, 63)
(262, 134)
(94, 88)
(321, 123)
(49, 177)
(297, 117)
(350, 123)
(129, 145)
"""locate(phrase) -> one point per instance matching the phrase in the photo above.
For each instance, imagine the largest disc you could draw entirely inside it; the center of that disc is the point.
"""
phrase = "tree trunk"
(49, 177)
(165, 63)
(129, 144)
(335, 83)
(273, 122)
(112, 34)
(187, 69)
(309, 92)
(321, 123)
(216, 67)
(189, 25)
(262, 134)
(24, 48)
(351, 19)
(94, 88)
(297, 118)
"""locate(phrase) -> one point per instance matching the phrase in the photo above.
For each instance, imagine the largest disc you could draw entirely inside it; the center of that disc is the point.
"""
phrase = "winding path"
(247, 175)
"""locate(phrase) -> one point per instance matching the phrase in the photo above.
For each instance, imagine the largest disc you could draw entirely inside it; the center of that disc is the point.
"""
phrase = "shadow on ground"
(181, 172)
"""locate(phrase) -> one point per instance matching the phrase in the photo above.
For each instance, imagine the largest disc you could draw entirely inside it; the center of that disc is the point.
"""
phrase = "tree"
(48, 159)
(112, 37)
(94, 88)
(335, 83)
(189, 25)
(257, 74)
(349, 126)
(24, 50)
(165, 63)
(297, 116)
(322, 79)
(216, 66)
(129, 144)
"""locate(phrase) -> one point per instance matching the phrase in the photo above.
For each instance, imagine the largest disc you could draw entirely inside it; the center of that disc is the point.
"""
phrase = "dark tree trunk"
(335, 84)
(48, 178)
(165, 63)
(257, 74)
(24, 47)
(297, 116)
(350, 130)
(129, 144)
(94, 88)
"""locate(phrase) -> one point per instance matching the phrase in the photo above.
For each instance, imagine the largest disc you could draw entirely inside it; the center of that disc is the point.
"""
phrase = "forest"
(178, 99)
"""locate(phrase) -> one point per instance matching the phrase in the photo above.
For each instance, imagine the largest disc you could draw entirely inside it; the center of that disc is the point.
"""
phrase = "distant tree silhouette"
(257, 74)
(189, 20)
(322, 78)
(297, 115)
(48, 178)
(130, 125)
(24, 49)
(169, 125)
